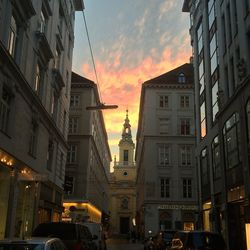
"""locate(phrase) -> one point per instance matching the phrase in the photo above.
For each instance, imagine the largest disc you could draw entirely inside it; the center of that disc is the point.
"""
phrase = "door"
(124, 225)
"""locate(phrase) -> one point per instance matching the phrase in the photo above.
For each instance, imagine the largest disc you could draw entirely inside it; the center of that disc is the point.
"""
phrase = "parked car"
(197, 240)
(32, 244)
(75, 236)
(96, 229)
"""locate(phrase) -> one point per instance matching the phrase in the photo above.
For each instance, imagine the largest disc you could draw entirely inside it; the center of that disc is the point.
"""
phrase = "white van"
(96, 229)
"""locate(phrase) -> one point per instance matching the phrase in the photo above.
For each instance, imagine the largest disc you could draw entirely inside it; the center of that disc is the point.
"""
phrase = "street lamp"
(102, 106)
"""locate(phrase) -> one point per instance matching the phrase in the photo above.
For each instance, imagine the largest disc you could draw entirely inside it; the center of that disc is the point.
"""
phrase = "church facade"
(122, 185)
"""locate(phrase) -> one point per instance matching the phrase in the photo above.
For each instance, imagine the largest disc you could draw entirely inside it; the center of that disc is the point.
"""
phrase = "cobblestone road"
(123, 244)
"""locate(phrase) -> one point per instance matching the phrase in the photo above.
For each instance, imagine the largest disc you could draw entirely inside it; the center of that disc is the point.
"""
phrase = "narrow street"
(123, 244)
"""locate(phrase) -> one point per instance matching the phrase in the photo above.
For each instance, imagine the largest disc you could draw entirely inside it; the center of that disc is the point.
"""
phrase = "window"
(54, 105)
(72, 154)
(68, 184)
(203, 126)
(62, 167)
(38, 80)
(164, 188)
(5, 103)
(185, 127)
(187, 188)
(125, 156)
(181, 78)
(57, 58)
(216, 157)
(215, 106)
(164, 126)
(163, 103)
(43, 22)
(231, 141)
(184, 101)
(50, 154)
(204, 167)
(13, 36)
(73, 125)
(185, 156)
(164, 155)
(75, 101)
(33, 138)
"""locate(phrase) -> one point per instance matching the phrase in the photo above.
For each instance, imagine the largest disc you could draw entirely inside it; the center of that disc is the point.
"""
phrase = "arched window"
(181, 78)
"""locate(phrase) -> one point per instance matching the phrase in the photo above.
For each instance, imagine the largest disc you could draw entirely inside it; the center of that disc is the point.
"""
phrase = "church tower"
(122, 188)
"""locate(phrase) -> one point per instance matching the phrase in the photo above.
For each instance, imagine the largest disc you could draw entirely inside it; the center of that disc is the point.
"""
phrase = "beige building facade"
(122, 185)
(166, 187)
(36, 44)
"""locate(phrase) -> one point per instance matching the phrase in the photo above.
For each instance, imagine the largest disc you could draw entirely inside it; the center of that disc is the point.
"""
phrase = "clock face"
(125, 173)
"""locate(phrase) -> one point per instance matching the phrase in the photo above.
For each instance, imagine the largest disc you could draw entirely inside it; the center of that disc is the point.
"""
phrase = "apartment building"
(36, 43)
(88, 162)
(166, 172)
(220, 37)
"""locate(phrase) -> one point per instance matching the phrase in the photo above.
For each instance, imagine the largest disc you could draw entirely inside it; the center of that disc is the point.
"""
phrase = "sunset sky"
(132, 41)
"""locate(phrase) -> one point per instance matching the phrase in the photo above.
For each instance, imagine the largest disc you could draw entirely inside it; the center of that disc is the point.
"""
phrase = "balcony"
(43, 46)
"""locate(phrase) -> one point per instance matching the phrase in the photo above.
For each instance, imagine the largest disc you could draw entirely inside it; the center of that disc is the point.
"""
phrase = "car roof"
(33, 240)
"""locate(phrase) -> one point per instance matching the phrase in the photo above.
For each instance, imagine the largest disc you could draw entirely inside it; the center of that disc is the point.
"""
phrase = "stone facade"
(166, 173)
(36, 43)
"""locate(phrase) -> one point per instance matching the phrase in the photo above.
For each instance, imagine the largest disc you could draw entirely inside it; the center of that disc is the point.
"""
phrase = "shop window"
(4, 198)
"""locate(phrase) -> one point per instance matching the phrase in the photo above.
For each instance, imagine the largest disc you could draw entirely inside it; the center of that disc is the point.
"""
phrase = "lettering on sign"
(178, 207)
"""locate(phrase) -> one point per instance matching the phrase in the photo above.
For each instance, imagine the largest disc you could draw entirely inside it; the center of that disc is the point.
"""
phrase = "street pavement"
(123, 244)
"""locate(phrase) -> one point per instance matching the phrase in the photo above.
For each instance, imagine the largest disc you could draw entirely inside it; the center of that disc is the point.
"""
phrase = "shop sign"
(178, 207)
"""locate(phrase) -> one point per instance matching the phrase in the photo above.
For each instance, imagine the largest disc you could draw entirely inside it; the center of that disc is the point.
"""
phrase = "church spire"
(126, 132)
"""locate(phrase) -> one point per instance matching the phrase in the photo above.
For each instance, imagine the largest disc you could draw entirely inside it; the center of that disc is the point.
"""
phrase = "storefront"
(180, 217)
(5, 173)
(81, 211)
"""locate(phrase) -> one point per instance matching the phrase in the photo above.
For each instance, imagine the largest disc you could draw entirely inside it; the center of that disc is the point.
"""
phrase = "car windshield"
(21, 246)
(65, 232)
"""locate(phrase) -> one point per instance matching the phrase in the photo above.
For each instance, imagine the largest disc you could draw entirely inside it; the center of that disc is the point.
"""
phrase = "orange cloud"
(121, 85)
